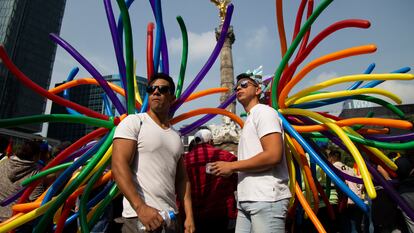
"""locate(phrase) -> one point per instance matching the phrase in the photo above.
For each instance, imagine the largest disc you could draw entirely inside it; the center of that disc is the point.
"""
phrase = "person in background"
(59, 148)
(262, 191)
(213, 200)
(16, 169)
(148, 163)
(405, 173)
(351, 217)
(384, 211)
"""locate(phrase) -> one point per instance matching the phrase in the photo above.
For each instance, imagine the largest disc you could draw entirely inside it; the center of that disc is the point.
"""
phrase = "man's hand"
(149, 217)
(189, 226)
(221, 168)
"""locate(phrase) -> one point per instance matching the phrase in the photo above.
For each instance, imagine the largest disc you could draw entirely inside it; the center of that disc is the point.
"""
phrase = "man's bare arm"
(122, 156)
(271, 156)
(184, 194)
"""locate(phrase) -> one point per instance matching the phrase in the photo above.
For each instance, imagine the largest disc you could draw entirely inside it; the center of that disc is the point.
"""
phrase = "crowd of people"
(209, 189)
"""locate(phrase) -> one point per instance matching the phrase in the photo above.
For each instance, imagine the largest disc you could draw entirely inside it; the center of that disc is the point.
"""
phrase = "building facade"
(364, 110)
(90, 96)
(24, 33)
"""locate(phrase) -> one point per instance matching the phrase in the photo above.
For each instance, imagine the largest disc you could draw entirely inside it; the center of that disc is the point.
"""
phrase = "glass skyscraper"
(24, 32)
(90, 96)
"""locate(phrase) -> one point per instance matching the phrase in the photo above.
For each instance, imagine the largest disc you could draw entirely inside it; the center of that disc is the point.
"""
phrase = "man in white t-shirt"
(148, 165)
(262, 191)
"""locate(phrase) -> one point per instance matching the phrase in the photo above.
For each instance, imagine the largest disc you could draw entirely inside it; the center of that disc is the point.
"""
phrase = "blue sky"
(257, 43)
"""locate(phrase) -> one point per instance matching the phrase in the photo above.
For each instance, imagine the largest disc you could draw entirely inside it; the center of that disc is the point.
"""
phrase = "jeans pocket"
(279, 208)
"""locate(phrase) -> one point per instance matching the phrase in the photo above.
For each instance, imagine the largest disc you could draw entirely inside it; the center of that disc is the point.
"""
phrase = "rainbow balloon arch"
(79, 177)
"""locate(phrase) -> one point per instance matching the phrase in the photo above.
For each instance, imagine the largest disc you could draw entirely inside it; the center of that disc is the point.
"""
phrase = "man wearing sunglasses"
(148, 165)
(262, 191)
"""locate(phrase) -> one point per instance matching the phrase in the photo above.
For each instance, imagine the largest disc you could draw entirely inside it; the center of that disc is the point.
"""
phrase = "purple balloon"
(391, 191)
(117, 43)
(392, 138)
(88, 66)
(161, 41)
(193, 85)
(79, 152)
(188, 129)
(12, 197)
(337, 141)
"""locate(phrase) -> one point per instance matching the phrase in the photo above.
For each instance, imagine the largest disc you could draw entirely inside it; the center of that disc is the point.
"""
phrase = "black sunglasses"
(243, 84)
(161, 88)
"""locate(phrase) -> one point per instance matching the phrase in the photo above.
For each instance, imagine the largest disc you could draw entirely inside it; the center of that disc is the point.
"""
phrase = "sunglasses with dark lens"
(243, 84)
(162, 89)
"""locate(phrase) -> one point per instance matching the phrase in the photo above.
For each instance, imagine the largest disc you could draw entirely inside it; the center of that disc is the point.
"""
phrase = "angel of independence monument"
(226, 136)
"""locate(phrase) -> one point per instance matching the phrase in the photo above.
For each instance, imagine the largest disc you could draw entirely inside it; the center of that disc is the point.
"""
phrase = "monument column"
(226, 136)
(226, 67)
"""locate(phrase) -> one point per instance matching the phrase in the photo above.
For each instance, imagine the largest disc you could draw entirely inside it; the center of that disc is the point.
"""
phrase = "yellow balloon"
(26, 217)
(375, 151)
(292, 173)
(136, 89)
(337, 94)
(369, 186)
(305, 177)
(357, 50)
(350, 78)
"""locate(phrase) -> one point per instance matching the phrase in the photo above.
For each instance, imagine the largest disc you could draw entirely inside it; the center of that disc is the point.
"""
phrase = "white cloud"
(403, 89)
(200, 45)
(64, 64)
(324, 76)
(259, 38)
(310, 80)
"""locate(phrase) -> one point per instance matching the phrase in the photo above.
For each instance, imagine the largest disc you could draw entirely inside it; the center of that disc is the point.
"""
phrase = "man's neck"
(250, 105)
(162, 119)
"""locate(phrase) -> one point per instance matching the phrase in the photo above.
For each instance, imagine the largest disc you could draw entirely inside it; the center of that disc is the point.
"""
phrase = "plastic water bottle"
(208, 168)
(168, 217)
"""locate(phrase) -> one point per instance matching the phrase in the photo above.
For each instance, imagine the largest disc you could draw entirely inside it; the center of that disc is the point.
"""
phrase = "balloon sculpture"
(302, 126)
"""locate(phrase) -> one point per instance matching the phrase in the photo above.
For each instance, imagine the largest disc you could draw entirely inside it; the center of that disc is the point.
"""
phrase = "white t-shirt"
(155, 162)
(356, 188)
(270, 185)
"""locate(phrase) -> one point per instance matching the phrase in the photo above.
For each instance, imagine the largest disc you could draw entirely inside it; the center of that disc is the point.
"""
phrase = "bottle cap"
(171, 215)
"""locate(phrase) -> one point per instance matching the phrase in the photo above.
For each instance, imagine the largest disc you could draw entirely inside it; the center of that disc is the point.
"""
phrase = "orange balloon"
(83, 81)
(320, 61)
(200, 111)
(11, 219)
(308, 209)
(400, 124)
(308, 174)
(210, 91)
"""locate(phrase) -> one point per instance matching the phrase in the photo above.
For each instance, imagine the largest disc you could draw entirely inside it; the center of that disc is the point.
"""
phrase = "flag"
(9, 149)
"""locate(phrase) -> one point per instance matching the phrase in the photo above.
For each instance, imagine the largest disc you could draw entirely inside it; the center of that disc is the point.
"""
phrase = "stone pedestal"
(226, 136)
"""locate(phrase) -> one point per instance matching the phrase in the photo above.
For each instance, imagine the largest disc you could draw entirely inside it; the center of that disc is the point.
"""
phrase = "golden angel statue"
(222, 6)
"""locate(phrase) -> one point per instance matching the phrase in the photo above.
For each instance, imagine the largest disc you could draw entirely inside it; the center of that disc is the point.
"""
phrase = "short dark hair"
(191, 145)
(165, 77)
(257, 79)
(29, 150)
(335, 154)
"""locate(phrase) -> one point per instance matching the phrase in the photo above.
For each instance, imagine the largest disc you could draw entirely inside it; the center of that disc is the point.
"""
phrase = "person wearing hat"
(213, 200)
(262, 191)
(148, 164)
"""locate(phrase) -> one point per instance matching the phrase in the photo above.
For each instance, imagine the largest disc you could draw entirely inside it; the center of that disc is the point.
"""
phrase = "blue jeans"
(260, 216)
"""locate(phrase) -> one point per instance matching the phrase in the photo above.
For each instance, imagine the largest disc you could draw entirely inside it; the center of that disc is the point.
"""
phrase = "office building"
(24, 32)
(90, 96)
